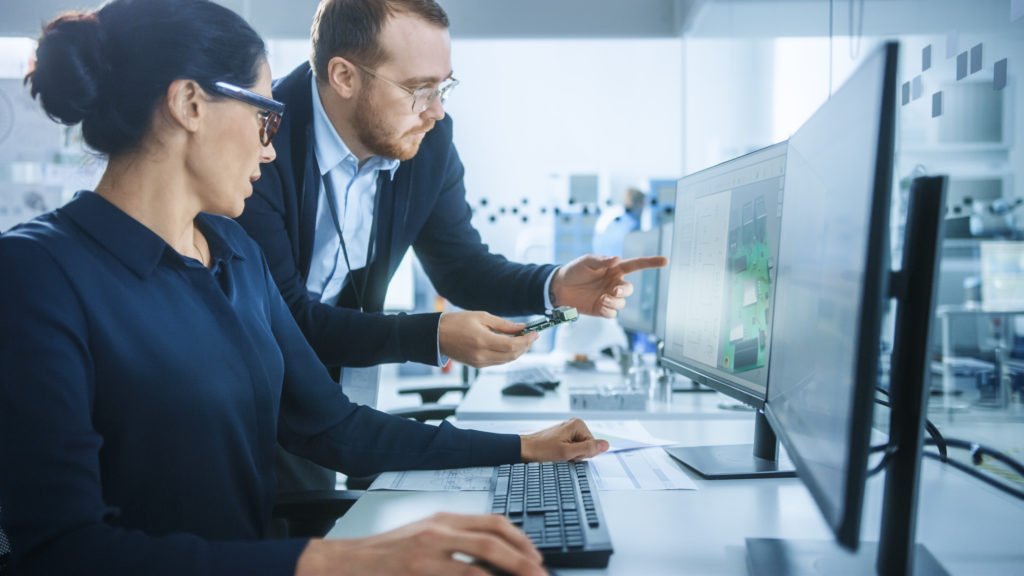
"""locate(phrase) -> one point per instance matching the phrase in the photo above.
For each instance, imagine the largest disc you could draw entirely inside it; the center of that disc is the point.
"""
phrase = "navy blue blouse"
(142, 394)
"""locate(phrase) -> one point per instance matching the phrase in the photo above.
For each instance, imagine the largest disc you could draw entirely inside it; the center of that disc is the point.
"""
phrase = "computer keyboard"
(557, 507)
(543, 376)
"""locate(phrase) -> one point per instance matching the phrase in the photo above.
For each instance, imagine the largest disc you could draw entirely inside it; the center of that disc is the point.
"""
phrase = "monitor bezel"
(700, 373)
(874, 301)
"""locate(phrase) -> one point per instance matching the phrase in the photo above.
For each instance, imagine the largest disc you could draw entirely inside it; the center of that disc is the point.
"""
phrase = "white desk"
(971, 528)
(484, 401)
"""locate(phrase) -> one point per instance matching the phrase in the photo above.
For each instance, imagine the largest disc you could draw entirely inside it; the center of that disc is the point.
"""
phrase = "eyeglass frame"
(271, 111)
(428, 94)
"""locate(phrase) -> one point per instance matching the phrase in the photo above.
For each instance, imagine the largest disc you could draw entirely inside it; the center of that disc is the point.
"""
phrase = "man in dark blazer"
(365, 169)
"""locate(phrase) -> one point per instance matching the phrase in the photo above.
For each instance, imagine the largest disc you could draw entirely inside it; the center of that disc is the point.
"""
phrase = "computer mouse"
(522, 389)
(490, 569)
(548, 385)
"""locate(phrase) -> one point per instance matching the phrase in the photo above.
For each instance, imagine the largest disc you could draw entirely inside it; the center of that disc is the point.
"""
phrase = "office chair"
(311, 514)
(431, 394)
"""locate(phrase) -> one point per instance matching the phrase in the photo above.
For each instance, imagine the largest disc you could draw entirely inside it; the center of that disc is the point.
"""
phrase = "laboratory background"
(575, 119)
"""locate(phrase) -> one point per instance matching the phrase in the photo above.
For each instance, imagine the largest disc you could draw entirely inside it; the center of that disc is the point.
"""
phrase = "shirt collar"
(331, 149)
(131, 242)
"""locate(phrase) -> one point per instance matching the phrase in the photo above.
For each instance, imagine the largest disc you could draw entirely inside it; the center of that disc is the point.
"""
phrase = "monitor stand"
(759, 460)
(682, 385)
(821, 557)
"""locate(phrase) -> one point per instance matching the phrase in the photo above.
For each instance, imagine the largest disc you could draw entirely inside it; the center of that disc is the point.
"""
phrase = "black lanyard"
(360, 292)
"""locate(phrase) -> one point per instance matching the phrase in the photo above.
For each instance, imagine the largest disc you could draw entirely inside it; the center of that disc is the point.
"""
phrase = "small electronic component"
(554, 317)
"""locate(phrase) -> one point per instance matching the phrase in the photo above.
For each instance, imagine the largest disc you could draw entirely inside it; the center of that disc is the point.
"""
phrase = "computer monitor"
(725, 243)
(833, 286)
(663, 279)
(640, 312)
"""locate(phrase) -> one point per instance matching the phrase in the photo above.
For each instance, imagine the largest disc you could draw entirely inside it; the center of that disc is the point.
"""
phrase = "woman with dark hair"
(149, 362)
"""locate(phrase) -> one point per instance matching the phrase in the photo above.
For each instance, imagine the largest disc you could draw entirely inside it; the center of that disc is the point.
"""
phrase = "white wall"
(530, 109)
(529, 112)
(728, 99)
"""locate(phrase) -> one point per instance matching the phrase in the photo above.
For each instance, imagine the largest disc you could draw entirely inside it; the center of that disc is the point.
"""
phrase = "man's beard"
(377, 136)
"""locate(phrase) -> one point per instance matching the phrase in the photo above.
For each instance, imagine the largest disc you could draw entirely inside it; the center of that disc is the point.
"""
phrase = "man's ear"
(185, 104)
(343, 77)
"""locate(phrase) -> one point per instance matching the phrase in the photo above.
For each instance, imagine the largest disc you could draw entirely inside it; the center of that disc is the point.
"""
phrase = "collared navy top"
(141, 395)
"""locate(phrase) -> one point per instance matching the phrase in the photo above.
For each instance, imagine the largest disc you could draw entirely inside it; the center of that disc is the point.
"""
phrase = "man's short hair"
(351, 28)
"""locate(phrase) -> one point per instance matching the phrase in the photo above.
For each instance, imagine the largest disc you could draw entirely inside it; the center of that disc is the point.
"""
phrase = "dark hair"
(350, 28)
(109, 69)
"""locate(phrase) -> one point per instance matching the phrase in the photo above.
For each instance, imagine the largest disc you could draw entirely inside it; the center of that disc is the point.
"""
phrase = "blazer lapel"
(309, 196)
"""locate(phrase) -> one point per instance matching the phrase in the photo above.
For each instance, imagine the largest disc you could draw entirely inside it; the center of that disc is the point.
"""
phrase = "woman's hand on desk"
(426, 547)
(570, 440)
(480, 339)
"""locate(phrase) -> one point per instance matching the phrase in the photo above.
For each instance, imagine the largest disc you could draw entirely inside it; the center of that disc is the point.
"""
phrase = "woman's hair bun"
(71, 67)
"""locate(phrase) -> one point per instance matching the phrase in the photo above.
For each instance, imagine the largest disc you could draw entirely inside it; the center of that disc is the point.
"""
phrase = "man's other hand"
(480, 339)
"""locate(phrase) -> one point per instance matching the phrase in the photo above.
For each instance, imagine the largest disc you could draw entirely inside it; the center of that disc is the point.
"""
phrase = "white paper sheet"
(650, 469)
(454, 480)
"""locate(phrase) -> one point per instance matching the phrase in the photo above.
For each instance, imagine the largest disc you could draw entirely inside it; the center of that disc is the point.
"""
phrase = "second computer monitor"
(722, 273)
(641, 310)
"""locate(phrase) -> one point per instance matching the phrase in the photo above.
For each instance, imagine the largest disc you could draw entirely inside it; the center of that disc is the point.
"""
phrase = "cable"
(889, 450)
(932, 430)
(979, 451)
(980, 476)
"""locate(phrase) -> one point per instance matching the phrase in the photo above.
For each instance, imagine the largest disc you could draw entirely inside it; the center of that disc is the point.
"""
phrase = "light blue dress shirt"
(355, 188)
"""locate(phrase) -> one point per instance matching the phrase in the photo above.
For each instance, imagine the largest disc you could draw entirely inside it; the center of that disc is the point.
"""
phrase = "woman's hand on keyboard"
(427, 547)
(570, 440)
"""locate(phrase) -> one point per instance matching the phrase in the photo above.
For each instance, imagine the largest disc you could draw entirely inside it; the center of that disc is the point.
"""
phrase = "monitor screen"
(722, 273)
(831, 289)
(641, 309)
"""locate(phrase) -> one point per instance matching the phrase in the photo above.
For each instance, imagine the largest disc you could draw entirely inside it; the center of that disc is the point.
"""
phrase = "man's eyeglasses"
(271, 111)
(422, 97)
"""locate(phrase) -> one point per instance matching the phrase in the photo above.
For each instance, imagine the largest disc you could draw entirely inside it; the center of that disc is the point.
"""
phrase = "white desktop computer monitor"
(722, 273)
(725, 243)
(641, 310)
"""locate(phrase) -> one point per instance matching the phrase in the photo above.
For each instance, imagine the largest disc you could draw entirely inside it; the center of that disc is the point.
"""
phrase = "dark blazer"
(423, 207)
(142, 396)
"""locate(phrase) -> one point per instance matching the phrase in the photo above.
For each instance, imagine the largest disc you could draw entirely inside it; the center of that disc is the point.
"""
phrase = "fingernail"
(603, 445)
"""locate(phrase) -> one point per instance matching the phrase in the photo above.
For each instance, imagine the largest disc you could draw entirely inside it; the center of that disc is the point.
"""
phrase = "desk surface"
(970, 527)
(484, 401)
